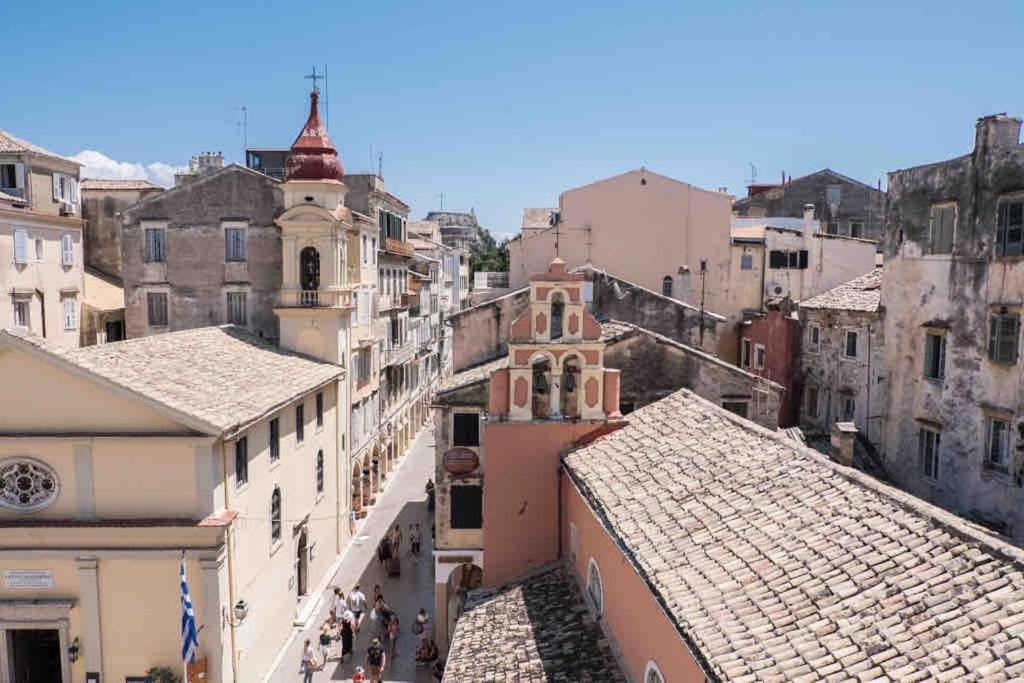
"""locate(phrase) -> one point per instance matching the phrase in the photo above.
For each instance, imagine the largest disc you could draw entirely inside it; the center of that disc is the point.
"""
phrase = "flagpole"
(184, 662)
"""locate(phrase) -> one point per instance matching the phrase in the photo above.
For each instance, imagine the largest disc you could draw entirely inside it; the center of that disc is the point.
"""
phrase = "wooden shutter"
(1010, 325)
(19, 177)
(56, 187)
(929, 355)
(67, 250)
(20, 246)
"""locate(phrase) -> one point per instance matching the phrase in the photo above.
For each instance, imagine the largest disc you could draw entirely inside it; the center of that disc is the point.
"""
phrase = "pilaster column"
(213, 635)
(89, 592)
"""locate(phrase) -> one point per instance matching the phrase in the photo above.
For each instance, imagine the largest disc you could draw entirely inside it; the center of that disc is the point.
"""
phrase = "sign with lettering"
(455, 559)
(28, 578)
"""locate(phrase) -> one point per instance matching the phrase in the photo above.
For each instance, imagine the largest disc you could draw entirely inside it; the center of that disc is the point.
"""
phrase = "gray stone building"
(953, 294)
(102, 203)
(842, 360)
(205, 252)
(843, 205)
(458, 229)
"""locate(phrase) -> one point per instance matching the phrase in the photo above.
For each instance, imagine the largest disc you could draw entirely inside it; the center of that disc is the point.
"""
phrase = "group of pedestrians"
(347, 614)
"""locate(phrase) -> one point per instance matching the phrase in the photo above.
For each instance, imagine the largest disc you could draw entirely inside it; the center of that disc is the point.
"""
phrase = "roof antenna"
(753, 174)
(380, 165)
(327, 100)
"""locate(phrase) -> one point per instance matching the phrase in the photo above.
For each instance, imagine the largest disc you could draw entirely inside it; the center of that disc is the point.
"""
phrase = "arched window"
(309, 269)
(275, 515)
(666, 285)
(557, 314)
(594, 588)
(541, 398)
(652, 674)
(320, 471)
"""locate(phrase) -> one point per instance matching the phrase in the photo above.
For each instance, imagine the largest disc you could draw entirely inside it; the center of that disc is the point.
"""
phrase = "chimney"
(843, 436)
(808, 220)
(996, 131)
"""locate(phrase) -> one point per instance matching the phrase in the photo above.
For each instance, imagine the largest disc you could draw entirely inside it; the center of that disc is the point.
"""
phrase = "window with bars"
(156, 309)
(234, 244)
(941, 224)
(934, 355)
(997, 444)
(275, 515)
(241, 461)
(237, 314)
(928, 452)
(1010, 227)
(666, 285)
(1003, 334)
(156, 249)
(783, 259)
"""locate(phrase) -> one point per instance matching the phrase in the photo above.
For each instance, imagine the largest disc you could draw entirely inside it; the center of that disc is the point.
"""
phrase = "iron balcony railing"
(313, 298)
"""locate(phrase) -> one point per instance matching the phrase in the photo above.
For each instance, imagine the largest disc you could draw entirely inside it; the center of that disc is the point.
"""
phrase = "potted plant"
(162, 674)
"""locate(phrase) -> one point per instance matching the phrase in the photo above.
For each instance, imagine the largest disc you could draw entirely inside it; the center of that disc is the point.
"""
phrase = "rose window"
(26, 485)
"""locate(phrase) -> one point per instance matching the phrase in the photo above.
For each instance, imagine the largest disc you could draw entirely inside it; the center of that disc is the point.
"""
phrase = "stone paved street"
(404, 502)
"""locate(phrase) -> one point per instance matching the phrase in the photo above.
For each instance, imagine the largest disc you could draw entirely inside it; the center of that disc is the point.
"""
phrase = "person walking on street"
(419, 627)
(393, 630)
(376, 661)
(384, 551)
(415, 541)
(347, 632)
(325, 641)
(396, 539)
(306, 668)
(357, 603)
(338, 605)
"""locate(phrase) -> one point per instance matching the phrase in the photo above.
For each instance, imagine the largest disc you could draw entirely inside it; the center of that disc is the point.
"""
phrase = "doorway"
(115, 330)
(302, 564)
(35, 655)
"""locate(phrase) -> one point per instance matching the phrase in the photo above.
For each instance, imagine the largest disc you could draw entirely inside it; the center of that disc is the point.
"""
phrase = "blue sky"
(504, 105)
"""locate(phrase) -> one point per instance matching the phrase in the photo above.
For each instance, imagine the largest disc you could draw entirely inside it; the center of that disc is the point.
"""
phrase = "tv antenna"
(753, 173)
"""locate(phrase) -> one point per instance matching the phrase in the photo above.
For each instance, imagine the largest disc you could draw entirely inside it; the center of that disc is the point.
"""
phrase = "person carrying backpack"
(376, 661)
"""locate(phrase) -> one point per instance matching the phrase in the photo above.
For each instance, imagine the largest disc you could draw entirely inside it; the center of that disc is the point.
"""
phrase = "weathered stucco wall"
(101, 210)
(836, 376)
(956, 292)
(652, 369)
(780, 335)
(196, 275)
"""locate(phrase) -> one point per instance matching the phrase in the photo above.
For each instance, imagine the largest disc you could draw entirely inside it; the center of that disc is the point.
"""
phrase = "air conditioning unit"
(68, 209)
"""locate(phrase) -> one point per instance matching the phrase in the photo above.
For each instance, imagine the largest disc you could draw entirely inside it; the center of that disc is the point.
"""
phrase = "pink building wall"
(638, 626)
(521, 494)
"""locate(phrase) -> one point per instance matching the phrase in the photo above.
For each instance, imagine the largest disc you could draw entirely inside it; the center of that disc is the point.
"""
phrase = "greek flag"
(189, 634)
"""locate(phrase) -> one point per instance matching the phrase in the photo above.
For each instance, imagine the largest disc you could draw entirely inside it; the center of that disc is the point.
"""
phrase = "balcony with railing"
(398, 247)
(313, 298)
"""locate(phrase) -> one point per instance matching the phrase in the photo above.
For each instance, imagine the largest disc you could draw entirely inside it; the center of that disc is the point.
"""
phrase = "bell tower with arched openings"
(556, 356)
(315, 300)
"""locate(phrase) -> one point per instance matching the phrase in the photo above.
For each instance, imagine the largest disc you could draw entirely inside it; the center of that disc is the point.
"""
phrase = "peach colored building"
(663, 234)
(685, 543)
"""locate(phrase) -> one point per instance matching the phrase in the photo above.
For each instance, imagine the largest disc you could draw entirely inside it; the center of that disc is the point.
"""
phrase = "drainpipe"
(42, 310)
(867, 403)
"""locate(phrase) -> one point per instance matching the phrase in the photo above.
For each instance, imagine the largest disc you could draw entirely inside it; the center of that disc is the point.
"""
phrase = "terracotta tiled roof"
(13, 144)
(537, 629)
(222, 377)
(118, 184)
(863, 293)
(477, 373)
(777, 564)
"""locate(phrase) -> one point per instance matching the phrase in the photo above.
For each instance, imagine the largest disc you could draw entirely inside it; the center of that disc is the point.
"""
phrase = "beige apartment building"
(661, 233)
(40, 242)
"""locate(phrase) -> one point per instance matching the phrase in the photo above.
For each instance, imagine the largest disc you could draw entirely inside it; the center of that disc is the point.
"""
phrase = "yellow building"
(40, 241)
(116, 458)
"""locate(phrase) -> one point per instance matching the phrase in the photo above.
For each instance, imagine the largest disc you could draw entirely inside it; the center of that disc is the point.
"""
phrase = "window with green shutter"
(1004, 330)
(941, 226)
(934, 355)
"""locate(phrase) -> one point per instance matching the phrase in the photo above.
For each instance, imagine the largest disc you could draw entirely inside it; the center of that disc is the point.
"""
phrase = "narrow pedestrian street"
(403, 502)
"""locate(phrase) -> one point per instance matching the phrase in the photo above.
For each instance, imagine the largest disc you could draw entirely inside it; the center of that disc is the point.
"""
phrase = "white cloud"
(99, 165)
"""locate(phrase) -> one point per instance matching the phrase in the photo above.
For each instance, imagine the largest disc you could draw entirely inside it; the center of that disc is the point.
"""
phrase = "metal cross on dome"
(315, 76)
